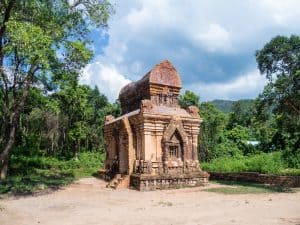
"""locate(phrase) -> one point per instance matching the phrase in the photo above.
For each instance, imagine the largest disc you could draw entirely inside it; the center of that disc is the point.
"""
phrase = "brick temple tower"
(154, 143)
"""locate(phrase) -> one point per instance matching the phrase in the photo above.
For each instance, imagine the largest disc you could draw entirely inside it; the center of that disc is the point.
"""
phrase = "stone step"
(124, 182)
(119, 181)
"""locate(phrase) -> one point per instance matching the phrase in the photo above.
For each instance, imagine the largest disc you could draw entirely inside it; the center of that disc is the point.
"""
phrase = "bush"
(225, 164)
(227, 149)
(261, 163)
(265, 163)
(292, 157)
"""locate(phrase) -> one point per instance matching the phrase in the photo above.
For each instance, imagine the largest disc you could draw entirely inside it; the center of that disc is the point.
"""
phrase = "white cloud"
(199, 36)
(244, 86)
(215, 38)
(283, 12)
(106, 77)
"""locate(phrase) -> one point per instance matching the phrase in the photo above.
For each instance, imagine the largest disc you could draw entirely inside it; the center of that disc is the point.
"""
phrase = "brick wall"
(147, 182)
(285, 181)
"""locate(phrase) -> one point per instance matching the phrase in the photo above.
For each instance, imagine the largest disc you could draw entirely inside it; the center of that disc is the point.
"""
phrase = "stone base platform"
(146, 182)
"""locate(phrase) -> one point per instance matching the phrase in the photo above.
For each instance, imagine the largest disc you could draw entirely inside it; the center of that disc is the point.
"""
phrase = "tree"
(279, 61)
(242, 113)
(41, 42)
(211, 131)
(212, 127)
(189, 98)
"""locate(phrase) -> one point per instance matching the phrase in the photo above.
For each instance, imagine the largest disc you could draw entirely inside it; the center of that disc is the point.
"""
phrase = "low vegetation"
(29, 174)
(270, 163)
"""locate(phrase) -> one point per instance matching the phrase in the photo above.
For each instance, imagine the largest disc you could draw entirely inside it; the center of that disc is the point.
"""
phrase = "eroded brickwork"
(154, 137)
(284, 181)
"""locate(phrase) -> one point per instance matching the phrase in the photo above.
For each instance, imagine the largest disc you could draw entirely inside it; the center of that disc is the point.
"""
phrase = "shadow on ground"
(30, 184)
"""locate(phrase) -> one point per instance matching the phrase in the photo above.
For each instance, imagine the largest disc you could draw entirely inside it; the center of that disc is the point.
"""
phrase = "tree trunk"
(10, 132)
(4, 156)
(75, 150)
(4, 169)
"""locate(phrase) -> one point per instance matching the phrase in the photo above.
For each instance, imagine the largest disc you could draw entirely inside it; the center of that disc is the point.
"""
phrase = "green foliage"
(70, 119)
(44, 45)
(226, 149)
(32, 43)
(189, 98)
(242, 113)
(211, 131)
(60, 133)
(239, 135)
(34, 173)
(261, 163)
(279, 61)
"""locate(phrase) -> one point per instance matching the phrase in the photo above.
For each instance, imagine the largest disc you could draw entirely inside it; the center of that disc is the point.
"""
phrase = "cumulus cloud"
(210, 42)
(215, 38)
(283, 12)
(108, 79)
(244, 86)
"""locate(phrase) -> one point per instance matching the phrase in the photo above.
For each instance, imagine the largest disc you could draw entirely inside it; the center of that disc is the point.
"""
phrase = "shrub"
(262, 163)
(225, 164)
(227, 149)
(265, 163)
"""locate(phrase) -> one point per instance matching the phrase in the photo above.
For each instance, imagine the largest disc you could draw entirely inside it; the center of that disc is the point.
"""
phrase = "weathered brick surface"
(145, 182)
(285, 181)
(154, 136)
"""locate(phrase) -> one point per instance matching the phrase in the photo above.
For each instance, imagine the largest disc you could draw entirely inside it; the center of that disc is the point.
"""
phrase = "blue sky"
(211, 43)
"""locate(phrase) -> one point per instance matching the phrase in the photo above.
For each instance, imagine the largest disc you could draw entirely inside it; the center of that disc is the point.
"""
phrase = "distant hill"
(226, 105)
(223, 105)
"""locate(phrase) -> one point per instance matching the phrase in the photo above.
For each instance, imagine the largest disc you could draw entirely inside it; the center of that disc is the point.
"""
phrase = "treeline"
(44, 111)
(65, 122)
(44, 45)
(240, 132)
(270, 123)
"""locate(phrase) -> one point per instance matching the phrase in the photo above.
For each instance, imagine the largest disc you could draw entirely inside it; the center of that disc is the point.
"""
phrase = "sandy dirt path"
(88, 202)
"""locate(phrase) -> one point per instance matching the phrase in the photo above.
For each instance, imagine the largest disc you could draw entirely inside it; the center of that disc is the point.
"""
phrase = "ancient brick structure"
(154, 144)
(271, 179)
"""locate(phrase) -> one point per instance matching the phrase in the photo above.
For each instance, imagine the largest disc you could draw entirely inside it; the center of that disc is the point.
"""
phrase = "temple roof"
(162, 80)
(163, 73)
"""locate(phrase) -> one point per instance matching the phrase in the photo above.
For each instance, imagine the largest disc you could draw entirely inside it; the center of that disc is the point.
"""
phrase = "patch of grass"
(234, 187)
(270, 163)
(290, 172)
(164, 204)
(29, 174)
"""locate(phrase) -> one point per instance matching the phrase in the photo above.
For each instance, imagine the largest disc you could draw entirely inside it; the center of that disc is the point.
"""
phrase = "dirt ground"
(88, 202)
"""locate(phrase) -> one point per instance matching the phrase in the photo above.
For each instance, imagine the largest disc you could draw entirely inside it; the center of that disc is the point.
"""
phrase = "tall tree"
(40, 41)
(242, 113)
(279, 61)
(211, 131)
(212, 127)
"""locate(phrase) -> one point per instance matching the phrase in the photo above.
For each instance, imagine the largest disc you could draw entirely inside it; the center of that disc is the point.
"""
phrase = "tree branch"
(292, 105)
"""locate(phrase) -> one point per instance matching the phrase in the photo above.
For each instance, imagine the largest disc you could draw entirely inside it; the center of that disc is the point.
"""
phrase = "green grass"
(270, 163)
(234, 187)
(30, 174)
